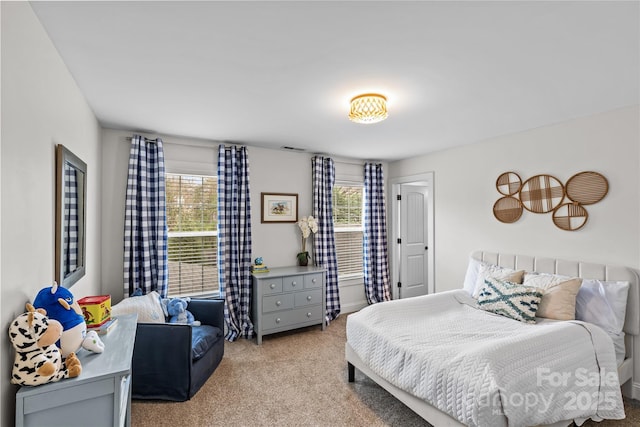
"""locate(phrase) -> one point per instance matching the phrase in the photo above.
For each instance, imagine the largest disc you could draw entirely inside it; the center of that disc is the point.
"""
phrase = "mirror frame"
(64, 157)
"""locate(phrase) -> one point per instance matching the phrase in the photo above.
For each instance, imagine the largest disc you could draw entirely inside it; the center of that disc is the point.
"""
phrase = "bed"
(454, 364)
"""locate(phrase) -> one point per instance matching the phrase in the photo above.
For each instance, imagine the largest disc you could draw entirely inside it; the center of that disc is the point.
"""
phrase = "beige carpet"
(293, 379)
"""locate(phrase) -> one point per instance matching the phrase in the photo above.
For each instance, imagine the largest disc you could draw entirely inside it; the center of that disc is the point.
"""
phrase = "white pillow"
(470, 279)
(559, 300)
(603, 303)
(494, 271)
(147, 307)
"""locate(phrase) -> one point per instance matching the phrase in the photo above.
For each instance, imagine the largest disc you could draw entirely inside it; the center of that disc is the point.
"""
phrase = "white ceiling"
(276, 74)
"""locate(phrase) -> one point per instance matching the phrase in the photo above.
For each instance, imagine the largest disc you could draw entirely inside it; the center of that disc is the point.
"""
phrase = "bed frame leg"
(352, 372)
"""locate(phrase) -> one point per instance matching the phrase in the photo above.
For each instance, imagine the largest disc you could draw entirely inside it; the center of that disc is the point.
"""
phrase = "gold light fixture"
(368, 108)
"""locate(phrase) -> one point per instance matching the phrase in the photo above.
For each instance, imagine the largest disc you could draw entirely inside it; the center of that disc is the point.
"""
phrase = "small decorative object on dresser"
(307, 225)
(258, 266)
(288, 298)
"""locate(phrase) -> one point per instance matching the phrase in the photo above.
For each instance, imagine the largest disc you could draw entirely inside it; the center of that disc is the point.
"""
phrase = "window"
(347, 222)
(192, 220)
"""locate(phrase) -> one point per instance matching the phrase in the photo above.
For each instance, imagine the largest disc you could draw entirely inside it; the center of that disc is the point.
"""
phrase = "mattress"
(485, 369)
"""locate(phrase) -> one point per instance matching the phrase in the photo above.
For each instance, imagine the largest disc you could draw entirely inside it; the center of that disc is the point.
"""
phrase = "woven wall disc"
(507, 209)
(508, 183)
(541, 193)
(587, 188)
(570, 216)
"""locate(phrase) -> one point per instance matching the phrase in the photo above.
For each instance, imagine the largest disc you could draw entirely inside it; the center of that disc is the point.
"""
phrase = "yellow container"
(96, 310)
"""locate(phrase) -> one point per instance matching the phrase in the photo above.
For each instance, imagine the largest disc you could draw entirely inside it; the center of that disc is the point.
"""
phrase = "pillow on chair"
(147, 307)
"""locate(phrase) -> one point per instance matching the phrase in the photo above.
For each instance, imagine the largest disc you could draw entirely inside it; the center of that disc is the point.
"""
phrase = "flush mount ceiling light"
(368, 108)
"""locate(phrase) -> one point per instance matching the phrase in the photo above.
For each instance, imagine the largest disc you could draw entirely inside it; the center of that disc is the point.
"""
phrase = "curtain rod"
(128, 138)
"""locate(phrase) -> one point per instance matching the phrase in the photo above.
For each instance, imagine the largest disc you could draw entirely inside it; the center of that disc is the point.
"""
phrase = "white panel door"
(413, 240)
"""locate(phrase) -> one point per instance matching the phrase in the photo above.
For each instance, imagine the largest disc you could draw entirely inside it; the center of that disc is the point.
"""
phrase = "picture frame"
(279, 207)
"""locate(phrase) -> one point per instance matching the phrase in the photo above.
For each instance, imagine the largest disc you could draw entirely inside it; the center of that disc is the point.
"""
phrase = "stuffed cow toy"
(38, 359)
(60, 305)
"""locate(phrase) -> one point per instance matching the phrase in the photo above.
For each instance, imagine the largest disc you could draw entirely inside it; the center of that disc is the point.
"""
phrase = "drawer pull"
(293, 284)
(278, 303)
(278, 320)
(272, 286)
(309, 314)
(313, 280)
(309, 298)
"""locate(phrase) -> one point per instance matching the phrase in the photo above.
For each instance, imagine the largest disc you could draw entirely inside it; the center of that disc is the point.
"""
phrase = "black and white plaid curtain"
(324, 246)
(376, 267)
(145, 226)
(234, 240)
(70, 255)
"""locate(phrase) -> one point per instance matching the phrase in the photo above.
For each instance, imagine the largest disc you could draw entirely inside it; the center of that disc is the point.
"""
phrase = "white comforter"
(487, 370)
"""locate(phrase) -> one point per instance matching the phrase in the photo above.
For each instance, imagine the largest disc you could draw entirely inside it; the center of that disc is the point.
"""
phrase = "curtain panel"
(70, 254)
(145, 226)
(234, 240)
(376, 267)
(324, 246)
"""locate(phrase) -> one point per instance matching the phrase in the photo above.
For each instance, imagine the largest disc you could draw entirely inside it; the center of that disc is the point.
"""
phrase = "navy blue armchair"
(172, 362)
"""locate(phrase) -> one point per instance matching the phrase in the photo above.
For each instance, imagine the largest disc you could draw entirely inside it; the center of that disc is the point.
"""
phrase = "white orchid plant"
(307, 225)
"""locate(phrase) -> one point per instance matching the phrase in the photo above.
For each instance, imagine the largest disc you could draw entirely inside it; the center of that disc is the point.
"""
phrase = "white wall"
(274, 171)
(41, 107)
(465, 192)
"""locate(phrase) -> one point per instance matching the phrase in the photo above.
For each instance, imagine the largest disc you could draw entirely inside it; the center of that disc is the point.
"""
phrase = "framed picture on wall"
(279, 207)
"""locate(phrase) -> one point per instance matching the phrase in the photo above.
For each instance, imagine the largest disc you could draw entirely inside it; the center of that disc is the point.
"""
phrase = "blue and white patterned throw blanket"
(484, 369)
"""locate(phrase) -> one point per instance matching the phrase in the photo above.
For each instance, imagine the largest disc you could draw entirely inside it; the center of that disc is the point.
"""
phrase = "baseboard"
(352, 307)
(635, 391)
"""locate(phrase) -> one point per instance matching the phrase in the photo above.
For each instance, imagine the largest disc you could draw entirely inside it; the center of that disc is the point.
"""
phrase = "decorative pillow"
(147, 307)
(502, 273)
(559, 300)
(512, 300)
(471, 277)
(603, 303)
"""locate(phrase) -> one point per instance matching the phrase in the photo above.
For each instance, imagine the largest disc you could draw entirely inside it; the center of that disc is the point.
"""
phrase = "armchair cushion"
(203, 338)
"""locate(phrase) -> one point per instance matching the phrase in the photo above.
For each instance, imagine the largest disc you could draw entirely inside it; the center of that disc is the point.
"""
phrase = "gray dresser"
(288, 298)
(100, 396)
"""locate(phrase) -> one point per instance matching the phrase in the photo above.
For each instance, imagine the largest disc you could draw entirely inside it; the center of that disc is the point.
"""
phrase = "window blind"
(193, 237)
(347, 219)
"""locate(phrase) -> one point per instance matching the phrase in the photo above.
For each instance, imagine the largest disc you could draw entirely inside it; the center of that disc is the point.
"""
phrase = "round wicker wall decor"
(507, 209)
(587, 188)
(541, 193)
(508, 183)
(570, 216)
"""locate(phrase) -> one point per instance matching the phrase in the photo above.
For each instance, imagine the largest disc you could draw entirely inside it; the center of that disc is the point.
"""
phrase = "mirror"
(71, 192)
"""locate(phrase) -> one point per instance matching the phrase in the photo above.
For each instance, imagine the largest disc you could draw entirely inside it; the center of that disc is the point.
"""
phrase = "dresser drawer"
(292, 283)
(292, 317)
(271, 286)
(308, 298)
(277, 302)
(313, 280)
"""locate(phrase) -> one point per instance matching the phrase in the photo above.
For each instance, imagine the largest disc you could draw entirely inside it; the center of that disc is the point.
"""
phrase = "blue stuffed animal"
(178, 313)
(60, 305)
